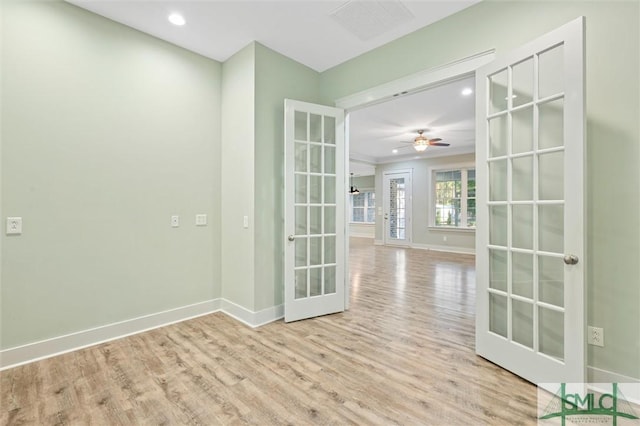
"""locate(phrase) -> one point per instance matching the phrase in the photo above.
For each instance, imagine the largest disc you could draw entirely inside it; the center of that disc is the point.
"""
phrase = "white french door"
(397, 207)
(315, 195)
(530, 235)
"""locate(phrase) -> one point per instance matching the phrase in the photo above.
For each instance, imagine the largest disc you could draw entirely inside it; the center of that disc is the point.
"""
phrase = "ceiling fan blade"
(439, 144)
(435, 140)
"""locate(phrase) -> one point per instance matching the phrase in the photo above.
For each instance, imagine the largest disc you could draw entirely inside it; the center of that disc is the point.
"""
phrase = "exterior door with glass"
(530, 233)
(315, 194)
(397, 207)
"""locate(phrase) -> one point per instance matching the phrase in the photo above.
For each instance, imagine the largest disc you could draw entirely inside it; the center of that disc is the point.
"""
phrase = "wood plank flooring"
(403, 354)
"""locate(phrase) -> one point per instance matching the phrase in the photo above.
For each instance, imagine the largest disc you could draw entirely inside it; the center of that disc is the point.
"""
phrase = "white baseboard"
(448, 249)
(378, 242)
(251, 318)
(598, 375)
(19, 355)
(361, 235)
(630, 386)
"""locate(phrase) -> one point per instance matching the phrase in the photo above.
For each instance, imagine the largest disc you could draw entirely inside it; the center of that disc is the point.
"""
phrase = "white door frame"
(414, 83)
(408, 207)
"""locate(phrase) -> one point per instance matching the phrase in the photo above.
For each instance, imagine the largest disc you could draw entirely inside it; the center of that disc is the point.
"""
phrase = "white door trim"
(417, 82)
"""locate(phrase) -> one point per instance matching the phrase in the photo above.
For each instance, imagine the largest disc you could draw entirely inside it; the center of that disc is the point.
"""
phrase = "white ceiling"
(443, 112)
(303, 30)
(320, 34)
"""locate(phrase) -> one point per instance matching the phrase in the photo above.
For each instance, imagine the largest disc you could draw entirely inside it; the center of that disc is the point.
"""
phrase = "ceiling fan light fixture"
(420, 147)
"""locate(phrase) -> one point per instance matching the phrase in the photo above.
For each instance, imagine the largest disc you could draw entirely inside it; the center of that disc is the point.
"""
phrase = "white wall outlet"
(14, 225)
(175, 221)
(595, 336)
(245, 222)
(201, 220)
(444, 238)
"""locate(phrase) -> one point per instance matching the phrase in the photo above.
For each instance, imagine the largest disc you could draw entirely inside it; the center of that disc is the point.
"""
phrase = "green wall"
(277, 78)
(98, 123)
(613, 144)
(237, 176)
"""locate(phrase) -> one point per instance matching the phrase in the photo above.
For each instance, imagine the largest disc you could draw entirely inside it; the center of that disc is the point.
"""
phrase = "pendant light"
(353, 189)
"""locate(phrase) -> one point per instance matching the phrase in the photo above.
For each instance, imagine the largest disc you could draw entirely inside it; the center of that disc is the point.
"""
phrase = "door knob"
(570, 259)
(291, 238)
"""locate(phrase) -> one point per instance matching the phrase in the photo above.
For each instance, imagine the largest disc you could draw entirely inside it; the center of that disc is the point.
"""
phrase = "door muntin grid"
(397, 208)
(525, 202)
(315, 205)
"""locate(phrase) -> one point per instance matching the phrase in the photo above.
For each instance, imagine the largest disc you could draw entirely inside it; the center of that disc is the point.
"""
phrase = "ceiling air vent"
(367, 19)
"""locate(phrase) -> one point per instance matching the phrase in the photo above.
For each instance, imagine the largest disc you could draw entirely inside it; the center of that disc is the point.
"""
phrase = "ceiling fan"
(421, 142)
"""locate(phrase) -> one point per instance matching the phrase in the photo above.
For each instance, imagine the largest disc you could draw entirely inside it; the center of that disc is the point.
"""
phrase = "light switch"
(175, 221)
(201, 220)
(245, 222)
(14, 225)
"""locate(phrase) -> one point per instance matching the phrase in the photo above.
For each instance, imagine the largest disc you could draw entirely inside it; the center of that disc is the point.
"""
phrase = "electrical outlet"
(595, 336)
(14, 225)
(201, 220)
(175, 221)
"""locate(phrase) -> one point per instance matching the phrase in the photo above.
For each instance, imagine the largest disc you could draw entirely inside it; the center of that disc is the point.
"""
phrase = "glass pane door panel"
(498, 269)
(315, 128)
(551, 124)
(551, 228)
(315, 282)
(301, 220)
(329, 130)
(550, 72)
(498, 136)
(300, 126)
(329, 189)
(551, 332)
(522, 77)
(522, 268)
(498, 225)
(329, 159)
(301, 283)
(315, 158)
(301, 252)
(551, 281)
(522, 226)
(551, 176)
(329, 279)
(397, 208)
(301, 157)
(522, 123)
(522, 172)
(498, 314)
(498, 180)
(315, 251)
(315, 220)
(329, 249)
(330, 220)
(315, 189)
(498, 92)
(522, 324)
(301, 188)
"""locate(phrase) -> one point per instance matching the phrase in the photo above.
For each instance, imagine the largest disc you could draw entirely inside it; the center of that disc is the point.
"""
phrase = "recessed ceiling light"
(395, 151)
(177, 19)
(467, 91)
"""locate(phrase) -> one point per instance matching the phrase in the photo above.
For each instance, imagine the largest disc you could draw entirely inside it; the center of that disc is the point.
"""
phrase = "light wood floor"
(403, 354)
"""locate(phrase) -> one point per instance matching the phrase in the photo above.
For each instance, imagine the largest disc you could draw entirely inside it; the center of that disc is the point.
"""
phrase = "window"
(455, 198)
(363, 207)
